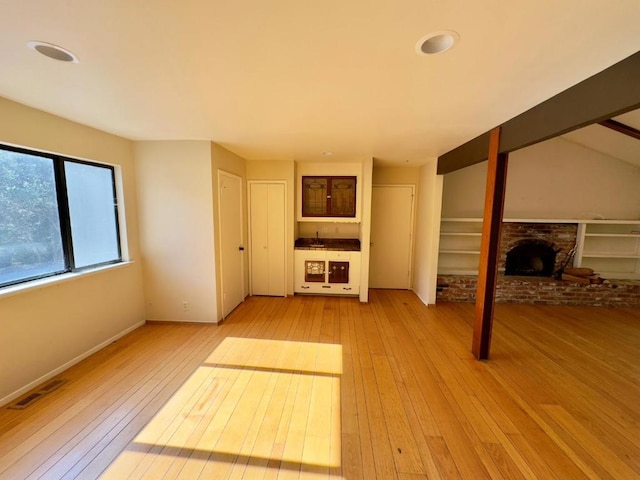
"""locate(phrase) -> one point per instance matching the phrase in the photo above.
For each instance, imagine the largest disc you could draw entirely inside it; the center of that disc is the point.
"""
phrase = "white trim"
(57, 279)
(59, 154)
(543, 220)
(118, 179)
(67, 365)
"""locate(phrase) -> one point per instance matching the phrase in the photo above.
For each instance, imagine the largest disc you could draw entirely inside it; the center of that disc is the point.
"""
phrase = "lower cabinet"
(327, 272)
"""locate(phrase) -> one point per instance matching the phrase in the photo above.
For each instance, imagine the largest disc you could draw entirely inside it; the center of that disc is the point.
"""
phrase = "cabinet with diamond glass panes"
(610, 247)
(328, 197)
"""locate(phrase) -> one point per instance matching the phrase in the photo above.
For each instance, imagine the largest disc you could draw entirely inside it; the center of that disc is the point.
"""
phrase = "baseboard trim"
(31, 385)
(420, 297)
(179, 322)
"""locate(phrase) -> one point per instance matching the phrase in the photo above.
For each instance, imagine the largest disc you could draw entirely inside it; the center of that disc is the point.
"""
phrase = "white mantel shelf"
(547, 220)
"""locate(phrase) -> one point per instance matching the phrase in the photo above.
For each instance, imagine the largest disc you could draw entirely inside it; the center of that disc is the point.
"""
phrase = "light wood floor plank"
(322, 387)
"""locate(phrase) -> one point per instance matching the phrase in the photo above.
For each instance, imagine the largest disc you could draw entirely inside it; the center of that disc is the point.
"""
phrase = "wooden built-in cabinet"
(327, 272)
(328, 196)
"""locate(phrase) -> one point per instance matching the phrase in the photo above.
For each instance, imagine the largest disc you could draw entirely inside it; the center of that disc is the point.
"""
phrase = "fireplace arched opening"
(531, 258)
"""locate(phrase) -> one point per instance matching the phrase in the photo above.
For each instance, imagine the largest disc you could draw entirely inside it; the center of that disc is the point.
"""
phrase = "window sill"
(57, 279)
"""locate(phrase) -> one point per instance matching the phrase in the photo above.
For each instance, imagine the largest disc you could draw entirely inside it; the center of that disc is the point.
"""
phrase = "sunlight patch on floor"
(254, 408)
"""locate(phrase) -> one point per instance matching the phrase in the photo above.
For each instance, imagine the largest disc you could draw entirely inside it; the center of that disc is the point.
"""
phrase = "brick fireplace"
(560, 237)
(535, 283)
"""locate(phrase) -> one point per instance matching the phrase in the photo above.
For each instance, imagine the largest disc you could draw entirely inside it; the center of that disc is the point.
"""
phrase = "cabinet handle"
(326, 286)
(304, 286)
(346, 288)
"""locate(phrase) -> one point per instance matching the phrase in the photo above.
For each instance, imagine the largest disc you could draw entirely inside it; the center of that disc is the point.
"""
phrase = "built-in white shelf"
(462, 234)
(610, 247)
(453, 271)
(613, 235)
(609, 255)
(462, 252)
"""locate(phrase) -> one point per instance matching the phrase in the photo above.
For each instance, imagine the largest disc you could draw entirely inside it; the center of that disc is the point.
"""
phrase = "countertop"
(343, 244)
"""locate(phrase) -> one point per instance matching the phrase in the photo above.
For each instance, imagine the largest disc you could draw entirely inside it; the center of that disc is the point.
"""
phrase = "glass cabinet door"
(329, 196)
(314, 196)
(343, 197)
(314, 271)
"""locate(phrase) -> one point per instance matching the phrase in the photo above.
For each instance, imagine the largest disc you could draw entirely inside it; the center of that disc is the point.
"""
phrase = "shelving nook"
(610, 247)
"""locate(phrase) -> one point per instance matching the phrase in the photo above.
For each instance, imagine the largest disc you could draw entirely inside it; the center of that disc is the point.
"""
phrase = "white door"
(267, 233)
(391, 236)
(231, 247)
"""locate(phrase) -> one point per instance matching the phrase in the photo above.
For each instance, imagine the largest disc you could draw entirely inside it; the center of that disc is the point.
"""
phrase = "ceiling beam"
(621, 128)
(612, 92)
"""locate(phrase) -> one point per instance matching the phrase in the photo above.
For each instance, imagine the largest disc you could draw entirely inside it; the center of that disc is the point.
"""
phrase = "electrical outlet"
(185, 306)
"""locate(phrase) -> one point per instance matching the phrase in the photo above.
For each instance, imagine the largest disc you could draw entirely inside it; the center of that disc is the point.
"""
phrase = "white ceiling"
(289, 79)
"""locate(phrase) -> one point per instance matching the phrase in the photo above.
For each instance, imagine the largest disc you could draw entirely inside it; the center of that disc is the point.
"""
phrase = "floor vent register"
(31, 398)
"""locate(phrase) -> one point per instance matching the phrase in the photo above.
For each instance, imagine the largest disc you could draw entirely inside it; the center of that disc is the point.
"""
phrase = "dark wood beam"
(621, 128)
(490, 247)
(612, 92)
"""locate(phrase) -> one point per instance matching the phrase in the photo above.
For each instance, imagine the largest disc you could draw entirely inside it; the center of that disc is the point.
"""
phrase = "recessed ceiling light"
(327, 154)
(53, 51)
(437, 42)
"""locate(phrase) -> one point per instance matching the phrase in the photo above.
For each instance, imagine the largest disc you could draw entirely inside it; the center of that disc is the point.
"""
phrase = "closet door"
(267, 225)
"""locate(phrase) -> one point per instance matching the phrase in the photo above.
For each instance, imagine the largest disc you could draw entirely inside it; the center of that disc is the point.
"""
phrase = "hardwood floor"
(320, 387)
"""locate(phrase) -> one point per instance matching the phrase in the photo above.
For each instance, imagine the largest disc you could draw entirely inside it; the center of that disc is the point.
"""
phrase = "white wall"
(428, 207)
(47, 329)
(554, 179)
(396, 175)
(329, 230)
(175, 198)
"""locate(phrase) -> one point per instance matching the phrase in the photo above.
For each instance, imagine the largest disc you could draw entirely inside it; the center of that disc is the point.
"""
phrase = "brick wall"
(540, 290)
(560, 236)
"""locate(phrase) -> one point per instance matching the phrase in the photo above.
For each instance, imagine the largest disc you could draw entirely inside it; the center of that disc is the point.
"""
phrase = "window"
(57, 215)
